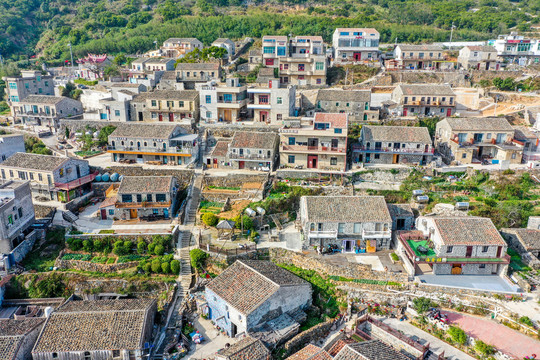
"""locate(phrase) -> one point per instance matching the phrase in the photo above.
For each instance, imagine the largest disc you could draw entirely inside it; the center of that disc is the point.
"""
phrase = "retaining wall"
(89, 266)
(316, 333)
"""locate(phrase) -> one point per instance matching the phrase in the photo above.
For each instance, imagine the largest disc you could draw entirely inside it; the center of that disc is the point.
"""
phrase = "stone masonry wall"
(183, 176)
(88, 266)
(315, 333)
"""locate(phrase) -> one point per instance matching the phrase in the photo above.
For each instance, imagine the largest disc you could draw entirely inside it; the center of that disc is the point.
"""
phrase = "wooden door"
(469, 251)
(227, 115)
(103, 214)
(456, 269)
(160, 117)
(404, 112)
(395, 159)
(312, 161)
(371, 246)
(449, 112)
(132, 213)
(241, 164)
(171, 117)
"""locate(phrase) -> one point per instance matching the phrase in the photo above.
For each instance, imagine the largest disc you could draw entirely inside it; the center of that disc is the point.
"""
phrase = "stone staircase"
(194, 202)
(69, 216)
(184, 278)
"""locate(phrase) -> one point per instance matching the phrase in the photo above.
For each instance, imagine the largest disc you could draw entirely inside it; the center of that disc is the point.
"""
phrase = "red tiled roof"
(338, 120)
(310, 352)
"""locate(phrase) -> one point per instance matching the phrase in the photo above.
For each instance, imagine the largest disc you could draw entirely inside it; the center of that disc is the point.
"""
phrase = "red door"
(449, 112)
(312, 161)
(357, 56)
(264, 116)
(405, 112)
(160, 117)
(468, 253)
(171, 117)
(241, 164)
(103, 214)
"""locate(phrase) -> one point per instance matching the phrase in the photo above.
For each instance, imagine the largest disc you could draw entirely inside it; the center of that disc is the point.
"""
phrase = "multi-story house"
(176, 48)
(145, 197)
(479, 58)
(418, 57)
(355, 45)
(301, 60)
(476, 140)
(29, 83)
(116, 107)
(167, 106)
(271, 104)
(253, 150)
(355, 103)
(18, 336)
(424, 100)
(57, 178)
(393, 145)
(340, 220)
(152, 64)
(531, 142)
(226, 44)
(255, 59)
(320, 144)
(192, 73)
(453, 246)
(223, 102)
(517, 49)
(153, 143)
(46, 109)
(11, 144)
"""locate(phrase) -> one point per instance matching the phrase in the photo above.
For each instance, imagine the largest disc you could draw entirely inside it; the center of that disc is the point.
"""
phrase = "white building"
(517, 49)
(355, 45)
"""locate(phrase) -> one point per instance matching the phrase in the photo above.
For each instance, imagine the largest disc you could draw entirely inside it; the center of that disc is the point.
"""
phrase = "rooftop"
(479, 124)
(400, 210)
(344, 95)
(95, 325)
(43, 99)
(12, 334)
(362, 30)
(197, 66)
(524, 133)
(411, 47)
(34, 161)
(482, 48)
(182, 40)
(145, 184)
(468, 231)
(246, 349)
(426, 89)
(337, 120)
(248, 283)
(310, 352)
(529, 237)
(254, 140)
(168, 95)
(221, 148)
(369, 350)
(346, 209)
(396, 134)
(221, 40)
(144, 131)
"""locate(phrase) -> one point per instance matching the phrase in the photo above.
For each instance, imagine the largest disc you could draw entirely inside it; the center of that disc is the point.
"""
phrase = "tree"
(119, 248)
(110, 71)
(87, 246)
(74, 244)
(52, 286)
(156, 265)
(151, 248)
(70, 91)
(141, 246)
(98, 245)
(175, 267)
(198, 258)
(246, 220)
(159, 250)
(165, 267)
(210, 219)
(147, 268)
(458, 335)
(421, 304)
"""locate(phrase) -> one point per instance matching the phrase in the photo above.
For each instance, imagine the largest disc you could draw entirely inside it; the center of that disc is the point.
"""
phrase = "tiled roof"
(426, 89)
(144, 131)
(12, 334)
(397, 134)
(95, 325)
(168, 95)
(482, 48)
(246, 349)
(158, 61)
(313, 38)
(248, 283)
(468, 231)
(529, 237)
(168, 75)
(411, 47)
(34, 161)
(145, 184)
(337, 120)
(400, 210)
(344, 95)
(182, 40)
(221, 40)
(275, 37)
(369, 350)
(254, 140)
(346, 209)
(197, 66)
(221, 148)
(480, 124)
(125, 85)
(524, 133)
(363, 30)
(310, 352)
(43, 99)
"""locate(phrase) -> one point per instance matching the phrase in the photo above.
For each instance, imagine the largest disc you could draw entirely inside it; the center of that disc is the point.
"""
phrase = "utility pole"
(71, 53)
(1, 63)
(451, 34)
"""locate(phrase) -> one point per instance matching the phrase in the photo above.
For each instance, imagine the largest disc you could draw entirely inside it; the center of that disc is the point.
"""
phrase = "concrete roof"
(189, 95)
(144, 131)
(411, 47)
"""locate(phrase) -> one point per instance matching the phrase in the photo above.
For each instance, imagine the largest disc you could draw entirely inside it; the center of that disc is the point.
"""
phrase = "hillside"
(43, 28)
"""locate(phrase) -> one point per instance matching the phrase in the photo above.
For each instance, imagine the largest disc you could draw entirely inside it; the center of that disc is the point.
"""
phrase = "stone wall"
(382, 175)
(99, 188)
(316, 333)
(347, 270)
(456, 79)
(81, 125)
(44, 211)
(88, 266)
(228, 130)
(25, 247)
(132, 237)
(393, 340)
(76, 203)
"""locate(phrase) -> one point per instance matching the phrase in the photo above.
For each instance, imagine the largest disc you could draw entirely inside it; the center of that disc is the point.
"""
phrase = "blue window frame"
(281, 50)
(208, 99)
(337, 131)
(344, 33)
(291, 159)
(111, 211)
(292, 140)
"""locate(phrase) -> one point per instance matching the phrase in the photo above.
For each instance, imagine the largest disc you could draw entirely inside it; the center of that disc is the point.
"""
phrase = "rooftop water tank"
(260, 210)
(251, 212)
(114, 177)
(105, 177)
(98, 178)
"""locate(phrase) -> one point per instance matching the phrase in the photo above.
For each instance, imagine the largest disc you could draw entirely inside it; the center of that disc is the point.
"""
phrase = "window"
(464, 155)
(377, 156)
(513, 155)
(263, 99)
(10, 219)
(319, 81)
(482, 266)
(338, 131)
(127, 198)
(139, 198)
(111, 212)
(485, 249)
(116, 353)
(208, 99)
(357, 228)
(155, 211)
(181, 104)
(449, 249)
(208, 114)
(333, 161)
(160, 197)
(488, 136)
(154, 103)
(116, 112)
(291, 159)
(149, 197)
(319, 66)
(341, 228)
(87, 355)
(301, 67)
(269, 49)
(61, 172)
(40, 177)
(279, 117)
(292, 140)
(31, 176)
(11, 173)
(20, 212)
(55, 355)
(279, 100)
(13, 86)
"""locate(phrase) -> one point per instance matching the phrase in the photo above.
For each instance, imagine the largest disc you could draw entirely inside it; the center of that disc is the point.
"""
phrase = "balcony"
(376, 234)
(255, 104)
(389, 150)
(305, 148)
(149, 150)
(329, 234)
(231, 104)
(261, 157)
(76, 183)
(144, 204)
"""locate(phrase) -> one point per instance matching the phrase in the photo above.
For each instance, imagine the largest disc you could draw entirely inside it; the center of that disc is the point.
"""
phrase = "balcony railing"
(376, 234)
(222, 101)
(144, 204)
(323, 234)
(394, 150)
(306, 148)
(77, 182)
(134, 149)
(261, 157)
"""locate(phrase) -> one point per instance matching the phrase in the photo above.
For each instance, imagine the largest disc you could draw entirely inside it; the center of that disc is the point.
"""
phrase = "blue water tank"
(98, 178)
(121, 178)
(105, 177)
(114, 177)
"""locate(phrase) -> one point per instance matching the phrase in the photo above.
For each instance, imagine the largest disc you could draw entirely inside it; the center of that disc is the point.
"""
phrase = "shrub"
(165, 267)
(247, 222)
(128, 245)
(151, 248)
(484, 348)
(98, 245)
(210, 219)
(159, 250)
(74, 244)
(526, 320)
(147, 268)
(421, 304)
(457, 335)
(395, 257)
(198, 258)
(141, 247)
(156, 265)
(175, 267)
(87, 246)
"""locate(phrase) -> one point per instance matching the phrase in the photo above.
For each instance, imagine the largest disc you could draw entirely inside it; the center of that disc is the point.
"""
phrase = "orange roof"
(338, 120)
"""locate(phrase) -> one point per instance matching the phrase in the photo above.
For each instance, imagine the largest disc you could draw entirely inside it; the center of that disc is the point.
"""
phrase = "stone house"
(226, 44)
(146, 197)
(11, 144)
(424, 100)
(473, 140)
(419, 57)
(17, 337)
(271, 104)
(479, 58)
(224, 103)
(526, 242)
(192, 73)
(180, 106)
(247, 348)
(253, 150)
(354, 45)
(176, 48)
(30, 82)
(46, 110)
(453, 246)
(97, 330)
(255, 59)
(530, 140)
(217, 157)
(318, 144)
(354, 103)
(393, 145)
(55, 177)
(337, 220)
(166, 144)
(402, 216)
(369, 350)
(250, 293)
(152, 64)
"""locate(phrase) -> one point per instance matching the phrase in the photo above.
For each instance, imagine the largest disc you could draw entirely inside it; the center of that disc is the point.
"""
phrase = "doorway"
(449, 112)
(241, 164)
(103, 214)
(400, 224)
(227, 115)
(420, 65)
(234, 329)
(395, 159)
(312, 161)
(264, 116)
(348, 245)
(371, 246)
(140, 116)
(132, 213)
(357, 56)
(456, 269)
(160, 117)
(469, 251)
(171, 117)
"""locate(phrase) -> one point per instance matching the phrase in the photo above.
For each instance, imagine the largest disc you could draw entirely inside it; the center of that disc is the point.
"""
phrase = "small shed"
(225, 225)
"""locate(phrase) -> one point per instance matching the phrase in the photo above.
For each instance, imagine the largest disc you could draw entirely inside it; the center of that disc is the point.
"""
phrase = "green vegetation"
(43, 255)
(89, 142)
(483, 348)
(213, 187)
(198, 259)
(206, 54)
(526, 320)
(85, 82)
(210, 219)
(70, 91)
(457, 335)
(159, 265)
(84, 154)
(395, 256)
(210, 206)
(36, 146)
(364, 281)
(422, 304)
